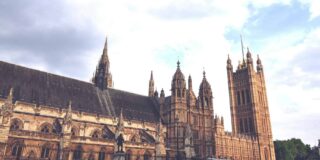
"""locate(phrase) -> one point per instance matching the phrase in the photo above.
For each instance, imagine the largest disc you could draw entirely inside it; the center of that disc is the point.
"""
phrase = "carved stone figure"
(120, 141)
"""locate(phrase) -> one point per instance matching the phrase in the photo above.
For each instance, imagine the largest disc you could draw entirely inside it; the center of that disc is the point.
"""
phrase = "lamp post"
(177, 140)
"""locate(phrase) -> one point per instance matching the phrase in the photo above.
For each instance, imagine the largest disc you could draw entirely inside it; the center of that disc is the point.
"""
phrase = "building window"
(195, 134)
(241, 126)
(73, 131)
(248, 96)
(243, 97)
(15, 125)
(95, 134)
(251, 125)
(77, 154)
(102, 154)
(245, 125)
(16, 150)
(179, 93)
(45, 152)
(238, 98)
(195, 120)
(45, 129)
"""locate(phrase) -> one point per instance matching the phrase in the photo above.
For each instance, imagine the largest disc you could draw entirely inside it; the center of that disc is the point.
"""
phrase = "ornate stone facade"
(49, 116)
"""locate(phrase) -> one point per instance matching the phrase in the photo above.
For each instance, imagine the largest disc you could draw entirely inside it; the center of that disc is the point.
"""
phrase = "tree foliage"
(295, 149)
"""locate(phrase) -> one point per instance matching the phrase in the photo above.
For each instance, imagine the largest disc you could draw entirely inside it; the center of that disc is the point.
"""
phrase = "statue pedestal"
(119, 156)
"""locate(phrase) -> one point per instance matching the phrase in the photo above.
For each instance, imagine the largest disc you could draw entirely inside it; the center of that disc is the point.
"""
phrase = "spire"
(151, 86)
(104, 58)
(204, 74)
(242, 49)
(103, 78)
(190, 83)
(178, 64)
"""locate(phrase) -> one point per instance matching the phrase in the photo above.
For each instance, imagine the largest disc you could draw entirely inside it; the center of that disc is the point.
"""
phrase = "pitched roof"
(43, 88)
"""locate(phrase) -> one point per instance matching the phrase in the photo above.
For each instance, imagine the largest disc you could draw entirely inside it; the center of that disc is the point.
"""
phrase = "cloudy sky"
(66, 37)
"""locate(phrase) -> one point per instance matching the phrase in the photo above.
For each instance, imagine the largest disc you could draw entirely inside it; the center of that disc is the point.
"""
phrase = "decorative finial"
(204, 73)
(178, 64)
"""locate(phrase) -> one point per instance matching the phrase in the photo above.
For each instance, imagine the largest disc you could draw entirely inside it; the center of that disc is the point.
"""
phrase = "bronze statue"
(120, 141)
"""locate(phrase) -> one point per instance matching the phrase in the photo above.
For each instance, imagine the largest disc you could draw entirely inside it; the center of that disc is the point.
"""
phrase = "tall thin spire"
(103, 78)
(151, 85)
(242, 48)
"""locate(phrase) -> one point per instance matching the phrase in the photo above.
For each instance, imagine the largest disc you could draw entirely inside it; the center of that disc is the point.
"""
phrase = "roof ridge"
(46, 72)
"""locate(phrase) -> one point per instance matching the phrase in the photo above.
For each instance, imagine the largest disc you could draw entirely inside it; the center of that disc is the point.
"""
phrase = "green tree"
(294, 149)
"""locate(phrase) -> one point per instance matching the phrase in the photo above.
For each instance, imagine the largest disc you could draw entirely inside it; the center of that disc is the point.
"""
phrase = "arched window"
(45, 151)
(16, 124)
(45, 129)
(95, 134)
(57, 128)
(74, 131)
(238, 98)
(77, 154)
(102, 154)
(16, 150)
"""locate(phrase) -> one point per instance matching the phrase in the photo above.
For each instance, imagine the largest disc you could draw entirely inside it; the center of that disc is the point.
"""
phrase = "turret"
(178, 84)
(259, 65)
(205, 93)
(151, 86)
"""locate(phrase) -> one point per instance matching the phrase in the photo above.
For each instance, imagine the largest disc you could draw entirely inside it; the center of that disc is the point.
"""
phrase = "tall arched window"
(102, 154)
(45, 151)
(77, 154)
(16, 150)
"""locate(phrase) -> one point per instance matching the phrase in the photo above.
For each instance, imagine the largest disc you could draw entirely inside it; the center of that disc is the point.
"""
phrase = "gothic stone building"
(46, 116)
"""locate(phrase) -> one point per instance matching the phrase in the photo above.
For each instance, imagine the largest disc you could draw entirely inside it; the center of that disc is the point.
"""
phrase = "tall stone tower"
(205, 108)
(102, 77)
(249, 104)
(177, 113)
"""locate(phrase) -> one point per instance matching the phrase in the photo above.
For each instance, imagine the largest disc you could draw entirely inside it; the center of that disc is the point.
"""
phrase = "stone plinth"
(119, 156)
